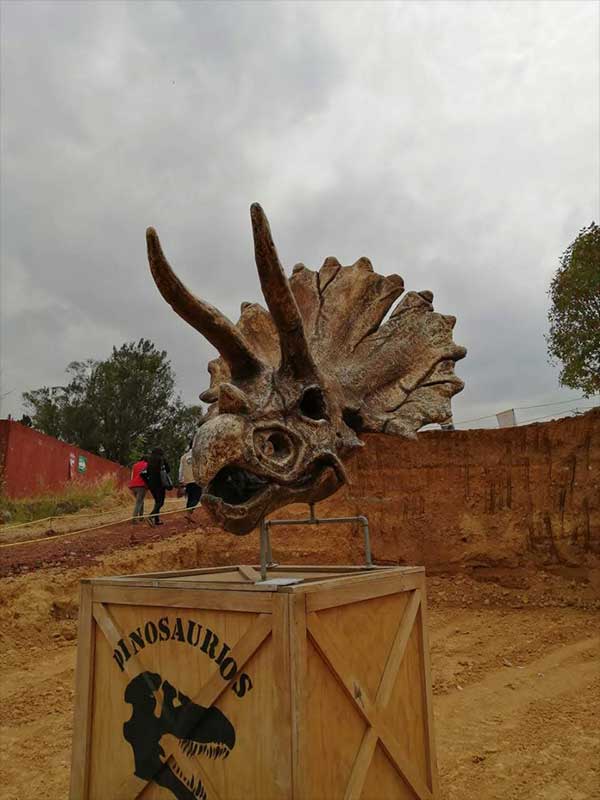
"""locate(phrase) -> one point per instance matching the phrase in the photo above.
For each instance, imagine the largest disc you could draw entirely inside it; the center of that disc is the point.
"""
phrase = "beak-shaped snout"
(219, 442)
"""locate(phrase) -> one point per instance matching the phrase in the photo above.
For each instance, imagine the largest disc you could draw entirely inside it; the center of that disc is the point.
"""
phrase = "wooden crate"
(206, 684)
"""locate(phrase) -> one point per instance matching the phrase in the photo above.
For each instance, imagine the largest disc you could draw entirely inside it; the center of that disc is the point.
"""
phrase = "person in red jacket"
(138, 487)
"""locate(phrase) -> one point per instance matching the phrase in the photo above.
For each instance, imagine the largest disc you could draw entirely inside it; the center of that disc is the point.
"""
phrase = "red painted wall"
(33, 463)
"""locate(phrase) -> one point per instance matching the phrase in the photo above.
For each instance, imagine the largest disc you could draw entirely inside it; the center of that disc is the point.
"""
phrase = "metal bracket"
(266, 552)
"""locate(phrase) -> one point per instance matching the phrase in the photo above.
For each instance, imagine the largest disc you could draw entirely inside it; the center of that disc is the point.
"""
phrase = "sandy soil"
(515, 659)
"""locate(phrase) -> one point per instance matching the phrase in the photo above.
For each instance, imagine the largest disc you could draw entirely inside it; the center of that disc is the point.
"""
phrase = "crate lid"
(280, 578)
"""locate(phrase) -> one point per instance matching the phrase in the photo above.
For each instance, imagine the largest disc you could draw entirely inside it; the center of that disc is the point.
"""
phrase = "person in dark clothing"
(155, 474)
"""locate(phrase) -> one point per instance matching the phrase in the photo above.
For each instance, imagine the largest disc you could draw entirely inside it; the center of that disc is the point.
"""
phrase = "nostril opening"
(277, 445)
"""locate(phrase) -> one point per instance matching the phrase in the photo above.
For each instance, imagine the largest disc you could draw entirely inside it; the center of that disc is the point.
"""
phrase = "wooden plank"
(84, 694)
(184, 598)
(363, 704)
(190, 584)
(363, 760)
(349, 569)
(427, 694)
(392, 747)
(224, 580)
(249, 573)
(168, 574)
(129, 790)
(238, 585)
(207, 572)
(281, 747)
(361, 765)
(110, 629)
(336, 662)
(356, 589)
(298, 674)
(347, 572)
(241, 652)
(311, 576)
(390, 673)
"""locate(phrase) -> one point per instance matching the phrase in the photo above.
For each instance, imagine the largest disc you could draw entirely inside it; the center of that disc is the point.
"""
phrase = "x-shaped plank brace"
(208, 694)
(371, 712)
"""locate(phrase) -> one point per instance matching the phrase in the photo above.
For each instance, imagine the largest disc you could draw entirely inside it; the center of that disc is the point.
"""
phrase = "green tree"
(574, 316)
(178, 431)
(48, 413)
(119, 407)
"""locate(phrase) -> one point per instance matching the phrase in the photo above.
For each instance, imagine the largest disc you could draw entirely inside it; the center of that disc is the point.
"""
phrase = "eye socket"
(312, 404)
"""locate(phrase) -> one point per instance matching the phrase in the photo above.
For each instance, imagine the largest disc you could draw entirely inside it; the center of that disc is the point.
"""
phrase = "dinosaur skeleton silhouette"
(295, 385)
(202, 732)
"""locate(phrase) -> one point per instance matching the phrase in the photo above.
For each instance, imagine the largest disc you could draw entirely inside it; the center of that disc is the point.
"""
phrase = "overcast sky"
(456, 144)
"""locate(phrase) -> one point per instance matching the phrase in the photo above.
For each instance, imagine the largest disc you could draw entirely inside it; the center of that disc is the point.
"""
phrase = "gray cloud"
(455, 144)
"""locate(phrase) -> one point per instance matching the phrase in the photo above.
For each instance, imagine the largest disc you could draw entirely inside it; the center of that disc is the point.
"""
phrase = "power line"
(478, 419)
(546, 416)
(524, 408)
(545, 405)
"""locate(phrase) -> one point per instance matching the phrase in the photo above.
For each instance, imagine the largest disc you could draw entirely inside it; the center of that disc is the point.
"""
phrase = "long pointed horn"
(208, 320)
(295, 352)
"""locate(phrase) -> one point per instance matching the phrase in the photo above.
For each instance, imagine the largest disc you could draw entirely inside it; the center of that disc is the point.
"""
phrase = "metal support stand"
(266, 553)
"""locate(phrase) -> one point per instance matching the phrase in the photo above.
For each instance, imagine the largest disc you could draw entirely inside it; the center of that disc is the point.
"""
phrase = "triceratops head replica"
(296, 384)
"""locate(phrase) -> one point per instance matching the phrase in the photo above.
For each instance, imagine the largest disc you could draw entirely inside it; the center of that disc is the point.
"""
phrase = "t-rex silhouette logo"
(200, 731)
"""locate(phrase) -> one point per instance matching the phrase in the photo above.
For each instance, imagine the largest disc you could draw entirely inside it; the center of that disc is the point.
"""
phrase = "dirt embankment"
(464, 500)
(479, 498)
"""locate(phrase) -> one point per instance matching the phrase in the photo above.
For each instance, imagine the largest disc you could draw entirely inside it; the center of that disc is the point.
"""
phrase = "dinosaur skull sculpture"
(295, 385)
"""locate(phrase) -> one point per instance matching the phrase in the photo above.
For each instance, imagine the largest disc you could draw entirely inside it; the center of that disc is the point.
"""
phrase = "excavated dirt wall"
(478, 498)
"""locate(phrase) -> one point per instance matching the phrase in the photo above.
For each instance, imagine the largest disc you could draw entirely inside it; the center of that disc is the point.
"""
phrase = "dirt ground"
(515, 659)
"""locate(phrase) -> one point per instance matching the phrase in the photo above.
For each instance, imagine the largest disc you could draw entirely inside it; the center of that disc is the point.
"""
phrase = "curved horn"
(206, 319)
(295, 352)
